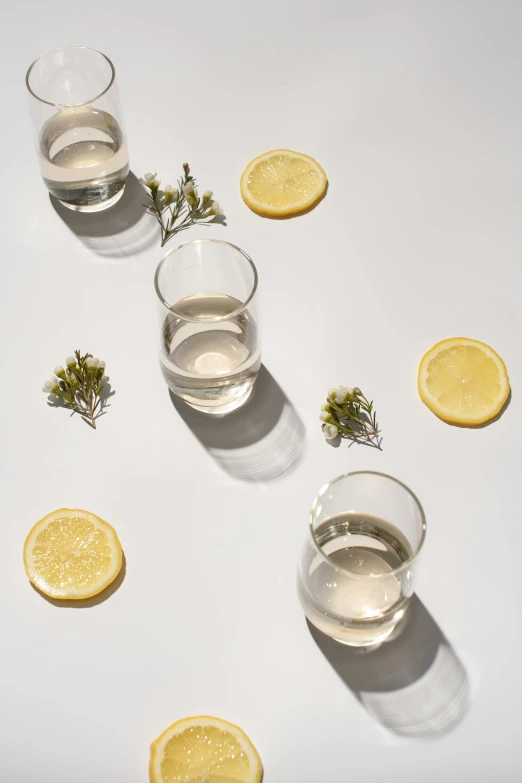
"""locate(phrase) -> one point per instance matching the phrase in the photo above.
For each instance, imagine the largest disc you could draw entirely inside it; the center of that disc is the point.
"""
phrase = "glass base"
(95, 207)
(366, 644)
(221, 410)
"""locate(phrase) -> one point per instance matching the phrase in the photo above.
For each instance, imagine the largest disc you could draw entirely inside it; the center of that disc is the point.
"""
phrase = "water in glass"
(83, 158)
(211, 360)
(355, 595)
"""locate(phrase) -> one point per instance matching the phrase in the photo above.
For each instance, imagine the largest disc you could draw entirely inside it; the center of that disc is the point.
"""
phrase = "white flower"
(169, 193)
(59, 371)
(48, 387)
(92, 362)
(149, 181)
(207, 195)
(330, 431)
(215, 209)
(325, 416)
(341, 393)
(70, 361)
(188, 189)
(326, 407)
(332, 392)
(101, 365)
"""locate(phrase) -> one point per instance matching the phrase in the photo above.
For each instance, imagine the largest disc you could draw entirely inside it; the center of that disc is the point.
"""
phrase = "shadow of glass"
(262, 441)
(413, 684)
(88, 603)
(120, 231)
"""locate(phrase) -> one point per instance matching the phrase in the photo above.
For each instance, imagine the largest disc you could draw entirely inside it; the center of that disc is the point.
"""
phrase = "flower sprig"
(179, 208)
(79, 386)
(349, 414)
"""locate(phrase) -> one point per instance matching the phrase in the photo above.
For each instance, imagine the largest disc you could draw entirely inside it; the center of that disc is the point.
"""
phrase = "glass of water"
(80, 141)
(357, 570)
(210, 349)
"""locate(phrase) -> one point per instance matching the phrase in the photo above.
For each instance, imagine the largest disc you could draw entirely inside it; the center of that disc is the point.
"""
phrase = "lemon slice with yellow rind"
(281, 183)
(463, 381)
(72, 554)
(204, 750)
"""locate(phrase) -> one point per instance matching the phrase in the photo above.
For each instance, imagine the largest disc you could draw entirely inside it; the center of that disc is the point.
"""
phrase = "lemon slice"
(282, 183)
(204, 750)
(463, 381)
(72, 554)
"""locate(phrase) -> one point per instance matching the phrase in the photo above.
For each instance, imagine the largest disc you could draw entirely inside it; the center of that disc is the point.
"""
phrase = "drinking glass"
(210, 349)
(357, 570)
(80, 141)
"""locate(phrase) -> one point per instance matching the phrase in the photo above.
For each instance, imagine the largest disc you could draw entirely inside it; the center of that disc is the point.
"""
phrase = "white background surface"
(414, 111)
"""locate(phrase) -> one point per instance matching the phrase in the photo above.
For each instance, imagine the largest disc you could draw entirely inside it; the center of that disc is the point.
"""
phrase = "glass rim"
(217, 318)
(70, 105)
(343, 476)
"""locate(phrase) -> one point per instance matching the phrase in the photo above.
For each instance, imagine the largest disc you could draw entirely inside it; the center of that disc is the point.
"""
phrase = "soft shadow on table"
(88, 603)
(120, 231)
(414, 685)
(262, 441)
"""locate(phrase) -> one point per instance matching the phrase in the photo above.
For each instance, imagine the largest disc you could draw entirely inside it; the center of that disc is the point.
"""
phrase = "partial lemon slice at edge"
(282, 183)
(72, 554)
(463, 381)
(204, 748)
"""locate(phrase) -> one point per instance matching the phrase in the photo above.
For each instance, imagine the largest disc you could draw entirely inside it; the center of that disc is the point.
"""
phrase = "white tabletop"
(414, 111)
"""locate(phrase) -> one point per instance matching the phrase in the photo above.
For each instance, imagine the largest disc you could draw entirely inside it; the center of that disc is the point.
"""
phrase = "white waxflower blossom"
(101, 365)
(188, 189)
(332, 392)
(341, 393)
(330, 431)
(92, 362)
(150, 181)
(325, 416)
(169, 193)
(215, 209)
(59, 371)
(71, 361)
(326, 407)
(48, 387)
(207, 195)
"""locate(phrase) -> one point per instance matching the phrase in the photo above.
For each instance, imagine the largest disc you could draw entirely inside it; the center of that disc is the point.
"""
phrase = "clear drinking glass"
(210, 349)
(80, 141)
(357, 570)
